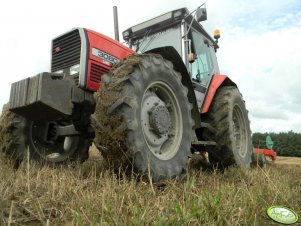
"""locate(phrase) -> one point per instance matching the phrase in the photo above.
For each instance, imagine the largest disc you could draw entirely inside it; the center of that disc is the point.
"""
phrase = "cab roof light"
(217, 34)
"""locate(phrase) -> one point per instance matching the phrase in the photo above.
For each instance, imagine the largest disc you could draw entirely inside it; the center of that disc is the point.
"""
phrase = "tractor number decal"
(104, 56)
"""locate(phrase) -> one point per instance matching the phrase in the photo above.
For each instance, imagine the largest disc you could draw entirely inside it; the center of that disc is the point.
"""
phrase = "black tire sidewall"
(237, 101)
(144, 157)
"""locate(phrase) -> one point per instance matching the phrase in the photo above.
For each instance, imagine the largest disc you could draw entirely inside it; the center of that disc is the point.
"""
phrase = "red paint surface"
(270, 153)
(217, 80)
(105, 44)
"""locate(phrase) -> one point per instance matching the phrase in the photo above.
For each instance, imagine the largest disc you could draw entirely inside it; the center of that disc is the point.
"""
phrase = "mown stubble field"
(89, 194)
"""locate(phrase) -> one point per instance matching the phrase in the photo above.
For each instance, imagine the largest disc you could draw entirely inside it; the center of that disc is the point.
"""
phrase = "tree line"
(285, 143)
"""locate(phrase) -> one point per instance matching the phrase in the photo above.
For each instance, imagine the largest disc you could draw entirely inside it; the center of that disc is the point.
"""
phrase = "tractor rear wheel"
(229, 117)
(147, 117)
(19, 135)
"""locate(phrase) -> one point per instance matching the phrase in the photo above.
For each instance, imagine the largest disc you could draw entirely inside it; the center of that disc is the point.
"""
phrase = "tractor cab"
(182, 31)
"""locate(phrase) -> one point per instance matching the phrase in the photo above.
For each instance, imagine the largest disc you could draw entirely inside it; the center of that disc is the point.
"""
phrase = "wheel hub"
(159, 120)
(239, 133)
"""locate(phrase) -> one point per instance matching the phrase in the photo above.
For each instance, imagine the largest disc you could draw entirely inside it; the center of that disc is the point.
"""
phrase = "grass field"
(88, 194)
(288, 160)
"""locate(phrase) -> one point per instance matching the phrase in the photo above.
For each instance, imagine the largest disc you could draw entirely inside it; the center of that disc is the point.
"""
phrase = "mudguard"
(171, 54)
(216, 82)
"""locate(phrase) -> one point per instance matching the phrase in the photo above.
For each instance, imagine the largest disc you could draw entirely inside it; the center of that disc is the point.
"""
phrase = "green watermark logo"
(282, 214)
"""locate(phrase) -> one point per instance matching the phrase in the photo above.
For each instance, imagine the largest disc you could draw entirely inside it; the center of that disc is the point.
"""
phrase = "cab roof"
(163, 22)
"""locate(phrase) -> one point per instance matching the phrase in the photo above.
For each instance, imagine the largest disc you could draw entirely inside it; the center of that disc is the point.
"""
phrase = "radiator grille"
(66, 51)
(96, 72)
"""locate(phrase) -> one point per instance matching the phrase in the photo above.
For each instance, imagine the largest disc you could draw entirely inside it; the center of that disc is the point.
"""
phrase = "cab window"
(202, 67)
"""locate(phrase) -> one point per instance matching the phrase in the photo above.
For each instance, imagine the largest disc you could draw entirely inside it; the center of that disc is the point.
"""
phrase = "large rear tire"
(147, 117)
(19, 135)
(229, 117)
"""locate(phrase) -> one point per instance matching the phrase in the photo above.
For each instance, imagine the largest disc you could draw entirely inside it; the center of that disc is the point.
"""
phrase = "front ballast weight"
(53, 118)
(44, 97)
(47, 96)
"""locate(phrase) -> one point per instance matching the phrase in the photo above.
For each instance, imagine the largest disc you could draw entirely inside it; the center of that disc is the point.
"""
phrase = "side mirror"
(201, 14)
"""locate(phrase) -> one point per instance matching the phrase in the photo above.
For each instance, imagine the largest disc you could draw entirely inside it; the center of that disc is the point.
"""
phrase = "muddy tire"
(259, 160)
(147, 117)
(9, 136)
(229, 117)
(19, 135)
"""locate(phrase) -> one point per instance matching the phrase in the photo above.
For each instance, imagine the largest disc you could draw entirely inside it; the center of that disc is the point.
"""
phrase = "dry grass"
(288, 160)
(90, 195)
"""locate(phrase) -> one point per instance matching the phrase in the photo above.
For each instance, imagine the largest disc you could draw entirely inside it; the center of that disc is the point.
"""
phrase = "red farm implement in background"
(269, 153)
(259, 157)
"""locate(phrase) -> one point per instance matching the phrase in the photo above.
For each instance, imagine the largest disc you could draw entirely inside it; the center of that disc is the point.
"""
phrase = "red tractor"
(151, 104)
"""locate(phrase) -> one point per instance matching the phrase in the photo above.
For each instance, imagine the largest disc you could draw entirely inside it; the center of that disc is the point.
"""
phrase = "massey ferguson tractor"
(150, 104)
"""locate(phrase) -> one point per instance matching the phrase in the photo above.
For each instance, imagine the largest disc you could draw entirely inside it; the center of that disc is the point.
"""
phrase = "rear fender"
(171, 54)
(216, 82)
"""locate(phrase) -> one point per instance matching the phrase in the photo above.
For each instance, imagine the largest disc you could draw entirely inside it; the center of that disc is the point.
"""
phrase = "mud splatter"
(6, 132)
(113, 138)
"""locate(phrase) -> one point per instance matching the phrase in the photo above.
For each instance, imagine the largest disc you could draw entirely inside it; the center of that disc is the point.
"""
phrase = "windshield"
(169, 37)
(202, 67)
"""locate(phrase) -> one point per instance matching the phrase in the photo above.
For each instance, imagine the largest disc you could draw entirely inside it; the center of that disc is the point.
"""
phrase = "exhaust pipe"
(116, 28)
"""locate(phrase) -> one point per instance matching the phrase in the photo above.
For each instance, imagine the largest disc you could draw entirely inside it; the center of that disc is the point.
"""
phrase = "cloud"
(260, 45)
(262, 55)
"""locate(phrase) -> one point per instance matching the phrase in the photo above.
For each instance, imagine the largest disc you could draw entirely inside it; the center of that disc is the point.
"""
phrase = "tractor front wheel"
(147, 117)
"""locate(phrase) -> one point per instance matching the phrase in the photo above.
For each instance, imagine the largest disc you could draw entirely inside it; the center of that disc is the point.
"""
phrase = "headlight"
(74, 69)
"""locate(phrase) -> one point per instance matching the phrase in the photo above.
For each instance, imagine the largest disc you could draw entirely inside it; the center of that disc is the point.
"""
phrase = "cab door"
(203, 67)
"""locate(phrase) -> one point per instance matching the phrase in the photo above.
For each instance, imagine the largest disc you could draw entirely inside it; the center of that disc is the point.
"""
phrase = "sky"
(260, 47)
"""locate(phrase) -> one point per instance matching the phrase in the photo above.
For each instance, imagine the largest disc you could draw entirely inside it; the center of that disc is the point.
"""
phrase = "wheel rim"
(161, 120)
(239, 131)
(53, 151)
